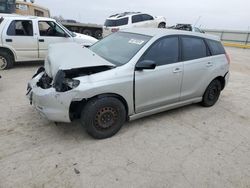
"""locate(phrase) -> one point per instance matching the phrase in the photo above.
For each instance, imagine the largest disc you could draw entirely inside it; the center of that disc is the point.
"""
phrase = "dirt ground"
(187, 147)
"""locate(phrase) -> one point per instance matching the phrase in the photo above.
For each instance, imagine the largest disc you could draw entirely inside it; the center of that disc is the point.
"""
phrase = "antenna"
(197, 20)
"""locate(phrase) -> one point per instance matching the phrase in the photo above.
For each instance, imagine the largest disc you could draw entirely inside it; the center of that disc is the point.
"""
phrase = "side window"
(147, 17)
(216, 47)
(20, 28)
(50, 29)
(163, 52)
(123, 21)
(137, 18)
(193, 48)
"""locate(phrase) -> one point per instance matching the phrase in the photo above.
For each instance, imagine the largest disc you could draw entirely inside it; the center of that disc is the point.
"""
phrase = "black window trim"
(197, 37)
(164, 37)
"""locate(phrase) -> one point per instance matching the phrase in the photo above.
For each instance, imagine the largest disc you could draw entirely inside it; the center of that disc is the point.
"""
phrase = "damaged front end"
(65, 80)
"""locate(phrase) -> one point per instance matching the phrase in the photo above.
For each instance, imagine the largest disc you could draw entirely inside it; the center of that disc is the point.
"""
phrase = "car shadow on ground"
(28, 64)
(77, 131)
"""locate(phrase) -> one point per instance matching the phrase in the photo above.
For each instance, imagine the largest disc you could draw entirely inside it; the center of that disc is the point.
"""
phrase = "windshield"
(68, 31)
(119, 48)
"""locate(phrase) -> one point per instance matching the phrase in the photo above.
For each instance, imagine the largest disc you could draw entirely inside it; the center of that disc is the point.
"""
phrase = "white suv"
(26, 38)
(132, 19)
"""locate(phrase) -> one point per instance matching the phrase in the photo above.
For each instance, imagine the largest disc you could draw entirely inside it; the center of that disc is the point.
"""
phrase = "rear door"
(50, 33)
(161, 86)
(19, 35)
(198, 66)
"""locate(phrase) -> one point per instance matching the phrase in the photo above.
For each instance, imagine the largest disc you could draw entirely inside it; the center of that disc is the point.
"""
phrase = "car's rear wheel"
(6, 60)
(103, 117)
(212, 93)
(162, 25)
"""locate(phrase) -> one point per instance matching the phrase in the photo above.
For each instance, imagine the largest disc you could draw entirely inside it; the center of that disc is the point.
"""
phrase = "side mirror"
(145, 64)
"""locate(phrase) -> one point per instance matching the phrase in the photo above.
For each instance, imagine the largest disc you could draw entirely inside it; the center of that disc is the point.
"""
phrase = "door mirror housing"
(145, 64)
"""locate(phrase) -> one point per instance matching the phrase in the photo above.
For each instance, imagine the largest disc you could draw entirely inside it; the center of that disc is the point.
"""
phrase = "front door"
(50, 33)
(161, 86)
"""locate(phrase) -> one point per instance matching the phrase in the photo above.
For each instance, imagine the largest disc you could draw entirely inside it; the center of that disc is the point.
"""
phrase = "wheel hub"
(106, 117)
(3, 63)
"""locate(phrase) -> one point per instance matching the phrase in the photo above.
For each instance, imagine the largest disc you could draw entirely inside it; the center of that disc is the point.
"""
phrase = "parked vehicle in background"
(86, 29)
(25, 38)
(23, 8)
(129, 75)
(32, 9)
(187, 27)
(127, 20)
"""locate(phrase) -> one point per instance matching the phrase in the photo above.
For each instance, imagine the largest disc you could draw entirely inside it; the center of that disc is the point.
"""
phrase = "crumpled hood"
(67, 56)
(84, 39)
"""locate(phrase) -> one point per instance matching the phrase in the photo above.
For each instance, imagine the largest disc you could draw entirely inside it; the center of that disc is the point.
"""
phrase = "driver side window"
(50, 29)
(164, 51)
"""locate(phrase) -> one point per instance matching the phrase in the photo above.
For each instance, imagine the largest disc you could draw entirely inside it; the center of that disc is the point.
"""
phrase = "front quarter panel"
(117, 81)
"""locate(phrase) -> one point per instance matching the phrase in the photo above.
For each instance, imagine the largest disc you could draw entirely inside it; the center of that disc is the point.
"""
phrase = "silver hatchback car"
(128, 75)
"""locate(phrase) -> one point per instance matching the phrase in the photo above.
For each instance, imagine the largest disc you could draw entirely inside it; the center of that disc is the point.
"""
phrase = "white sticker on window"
(135, 41)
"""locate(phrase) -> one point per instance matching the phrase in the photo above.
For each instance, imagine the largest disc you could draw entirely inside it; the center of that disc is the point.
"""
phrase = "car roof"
(17, 16)
(157, 32)
(122, 15)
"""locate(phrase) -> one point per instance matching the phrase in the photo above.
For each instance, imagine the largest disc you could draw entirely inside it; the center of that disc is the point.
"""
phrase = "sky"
(212, 14)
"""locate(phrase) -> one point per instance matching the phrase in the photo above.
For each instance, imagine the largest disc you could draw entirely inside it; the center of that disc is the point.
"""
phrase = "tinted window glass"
(20, 28)
(164, 51)
(119, 22)
(216, 47)
(146, 17)
(137, 18)
(193, 48)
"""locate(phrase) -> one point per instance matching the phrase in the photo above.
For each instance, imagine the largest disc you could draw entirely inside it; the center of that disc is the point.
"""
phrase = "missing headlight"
(62, 84)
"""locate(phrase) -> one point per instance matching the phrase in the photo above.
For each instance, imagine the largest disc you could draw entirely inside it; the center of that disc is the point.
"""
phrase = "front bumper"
(50, 104)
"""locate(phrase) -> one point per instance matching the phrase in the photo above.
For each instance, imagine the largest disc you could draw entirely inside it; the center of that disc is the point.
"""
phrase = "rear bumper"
(50, 104)
(227, 78)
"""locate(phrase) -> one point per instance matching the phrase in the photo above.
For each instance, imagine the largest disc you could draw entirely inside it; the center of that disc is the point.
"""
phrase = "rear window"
(113, 23)
(193, 48)
(216, 47)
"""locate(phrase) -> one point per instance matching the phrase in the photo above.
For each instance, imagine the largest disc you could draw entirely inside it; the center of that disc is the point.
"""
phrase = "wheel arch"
(77, 106)
(162, 22)
(8, 50)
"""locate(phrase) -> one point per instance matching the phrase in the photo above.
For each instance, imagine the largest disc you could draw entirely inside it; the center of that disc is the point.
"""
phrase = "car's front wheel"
(212, 93)
(103, 117)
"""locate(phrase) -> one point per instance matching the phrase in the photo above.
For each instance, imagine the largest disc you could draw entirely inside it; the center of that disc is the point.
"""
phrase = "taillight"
(114, 30)
(228, 58)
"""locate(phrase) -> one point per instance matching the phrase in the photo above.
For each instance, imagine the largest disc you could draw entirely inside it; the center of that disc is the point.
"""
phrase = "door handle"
(209, 64)
(41, 40)
(8, 40)
(177, 70)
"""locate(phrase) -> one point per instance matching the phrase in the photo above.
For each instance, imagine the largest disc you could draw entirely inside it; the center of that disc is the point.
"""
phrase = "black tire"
(98, 34)
(212, 93)
(6, 60)
(87, 32)
(103, 117)
(162, 25)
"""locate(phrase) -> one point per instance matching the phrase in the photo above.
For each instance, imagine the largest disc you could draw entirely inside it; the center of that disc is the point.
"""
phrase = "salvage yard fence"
(232, 38)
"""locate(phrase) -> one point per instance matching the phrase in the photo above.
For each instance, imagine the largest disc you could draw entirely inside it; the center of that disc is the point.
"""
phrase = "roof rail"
(124, 14)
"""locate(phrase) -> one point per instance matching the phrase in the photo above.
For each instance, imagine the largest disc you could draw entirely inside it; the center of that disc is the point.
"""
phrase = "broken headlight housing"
(62, 83)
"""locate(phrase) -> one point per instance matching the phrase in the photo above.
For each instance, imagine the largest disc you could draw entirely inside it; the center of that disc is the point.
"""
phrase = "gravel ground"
(187, 147)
